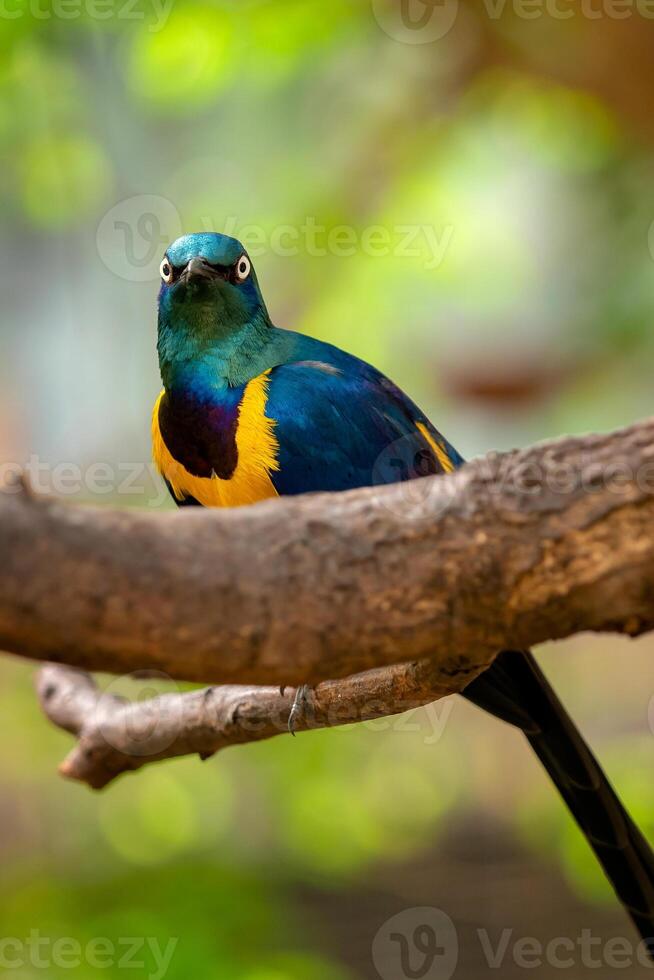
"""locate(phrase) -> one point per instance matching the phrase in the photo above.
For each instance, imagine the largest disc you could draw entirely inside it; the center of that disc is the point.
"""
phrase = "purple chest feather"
(200, 433)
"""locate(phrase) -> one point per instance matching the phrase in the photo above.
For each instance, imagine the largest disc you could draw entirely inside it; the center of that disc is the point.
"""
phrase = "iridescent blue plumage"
(215, 248)
(341, 424)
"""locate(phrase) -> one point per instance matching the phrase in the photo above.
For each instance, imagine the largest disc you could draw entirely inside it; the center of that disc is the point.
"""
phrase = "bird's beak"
(198, 269)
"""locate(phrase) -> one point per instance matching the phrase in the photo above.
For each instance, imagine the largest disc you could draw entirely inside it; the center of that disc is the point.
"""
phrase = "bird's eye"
(243, 267)
(166, 271)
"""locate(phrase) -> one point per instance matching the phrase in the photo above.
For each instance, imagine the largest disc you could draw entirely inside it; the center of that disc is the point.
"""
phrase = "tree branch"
(117, 736)
(511, 550)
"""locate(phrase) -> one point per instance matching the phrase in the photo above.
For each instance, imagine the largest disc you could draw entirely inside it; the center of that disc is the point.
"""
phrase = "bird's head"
(209, 288)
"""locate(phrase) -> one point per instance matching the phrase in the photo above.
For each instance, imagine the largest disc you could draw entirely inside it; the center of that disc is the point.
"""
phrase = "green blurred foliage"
(186, 64)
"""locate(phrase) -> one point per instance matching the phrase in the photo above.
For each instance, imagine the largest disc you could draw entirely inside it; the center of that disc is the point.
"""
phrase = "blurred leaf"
(64, 179)
(284, 34)
(184, 65)
(149, 821)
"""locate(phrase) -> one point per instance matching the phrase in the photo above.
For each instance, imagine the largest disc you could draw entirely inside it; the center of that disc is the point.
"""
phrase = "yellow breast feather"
(257, 456)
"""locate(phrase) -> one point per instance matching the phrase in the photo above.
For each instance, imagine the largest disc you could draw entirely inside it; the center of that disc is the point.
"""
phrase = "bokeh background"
(461, 193)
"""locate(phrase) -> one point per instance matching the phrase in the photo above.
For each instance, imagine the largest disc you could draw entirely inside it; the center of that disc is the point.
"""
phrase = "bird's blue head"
(209, 297)
(209, 277)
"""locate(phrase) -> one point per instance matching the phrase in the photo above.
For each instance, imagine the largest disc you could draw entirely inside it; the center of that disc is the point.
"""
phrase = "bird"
(250, 411)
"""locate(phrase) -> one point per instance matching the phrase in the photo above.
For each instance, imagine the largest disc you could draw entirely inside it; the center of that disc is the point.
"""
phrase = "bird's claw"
(298, 710)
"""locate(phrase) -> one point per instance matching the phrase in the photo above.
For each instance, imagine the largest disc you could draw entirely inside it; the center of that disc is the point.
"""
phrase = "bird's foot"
(300, 703)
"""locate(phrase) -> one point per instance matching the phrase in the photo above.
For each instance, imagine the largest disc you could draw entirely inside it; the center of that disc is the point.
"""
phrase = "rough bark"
(117, 736)
(511, 550)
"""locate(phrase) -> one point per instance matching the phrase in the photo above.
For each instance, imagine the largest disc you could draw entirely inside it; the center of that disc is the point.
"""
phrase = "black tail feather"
(515, 690)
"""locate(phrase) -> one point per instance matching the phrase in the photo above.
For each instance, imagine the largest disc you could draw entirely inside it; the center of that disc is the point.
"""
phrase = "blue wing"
(341, 424)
